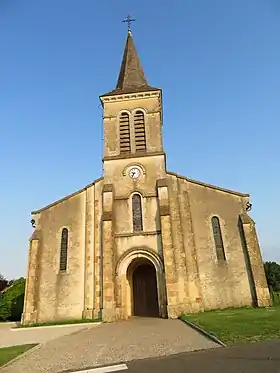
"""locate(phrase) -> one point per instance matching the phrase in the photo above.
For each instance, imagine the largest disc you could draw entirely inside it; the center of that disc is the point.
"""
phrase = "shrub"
(11, 301)
(272, 272)
(275, 298)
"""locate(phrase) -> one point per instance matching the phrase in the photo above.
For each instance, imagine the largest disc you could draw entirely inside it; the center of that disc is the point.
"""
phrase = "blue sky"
(217, 62)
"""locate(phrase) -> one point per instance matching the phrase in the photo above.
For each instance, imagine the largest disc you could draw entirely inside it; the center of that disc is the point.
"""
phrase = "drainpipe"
(101, 265)
(101, 230)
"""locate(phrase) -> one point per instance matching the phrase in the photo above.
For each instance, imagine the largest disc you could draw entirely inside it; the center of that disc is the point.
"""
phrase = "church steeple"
(132, 112)
(131, 77)
(131, 73)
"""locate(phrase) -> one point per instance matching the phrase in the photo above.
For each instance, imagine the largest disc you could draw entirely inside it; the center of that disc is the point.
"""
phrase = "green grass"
(240, 325)
(9, 353)
(60, 322)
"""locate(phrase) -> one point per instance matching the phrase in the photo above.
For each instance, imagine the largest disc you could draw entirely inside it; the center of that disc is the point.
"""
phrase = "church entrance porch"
(144, 289)
(140, 285)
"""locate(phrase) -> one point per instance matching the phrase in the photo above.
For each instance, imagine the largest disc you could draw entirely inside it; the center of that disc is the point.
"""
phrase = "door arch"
(127, 263)
(142, 276)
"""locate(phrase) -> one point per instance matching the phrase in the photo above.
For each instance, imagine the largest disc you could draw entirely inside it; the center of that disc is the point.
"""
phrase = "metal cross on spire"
(129, 20)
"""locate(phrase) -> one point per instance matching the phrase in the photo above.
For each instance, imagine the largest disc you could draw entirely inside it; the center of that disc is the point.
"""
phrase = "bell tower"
(134, 161)
(132, 115)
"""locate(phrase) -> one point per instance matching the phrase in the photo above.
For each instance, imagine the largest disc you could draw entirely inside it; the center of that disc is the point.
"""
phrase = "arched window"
(63, 249)
(220, 252)
(139, 131)
(137, 213)
(124, 133)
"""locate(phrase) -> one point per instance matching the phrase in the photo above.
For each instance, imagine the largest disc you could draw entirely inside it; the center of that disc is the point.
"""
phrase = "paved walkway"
(110, 344)
(13, 337)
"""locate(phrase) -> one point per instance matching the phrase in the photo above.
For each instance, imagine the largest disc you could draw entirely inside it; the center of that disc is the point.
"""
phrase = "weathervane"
(129, 20)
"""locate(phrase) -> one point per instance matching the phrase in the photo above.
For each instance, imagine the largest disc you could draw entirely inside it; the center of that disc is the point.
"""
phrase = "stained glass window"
(218, 239)
(63, 249)
(137, 213)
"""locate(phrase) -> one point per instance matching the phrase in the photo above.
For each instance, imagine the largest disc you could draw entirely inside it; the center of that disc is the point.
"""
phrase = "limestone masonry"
(141, 240)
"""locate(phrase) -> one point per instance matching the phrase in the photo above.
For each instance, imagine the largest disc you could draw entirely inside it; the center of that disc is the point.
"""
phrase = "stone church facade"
(141, 240)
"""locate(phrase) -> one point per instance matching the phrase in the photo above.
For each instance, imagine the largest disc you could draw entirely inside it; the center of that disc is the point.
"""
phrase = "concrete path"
(13, 337)
(110, 344)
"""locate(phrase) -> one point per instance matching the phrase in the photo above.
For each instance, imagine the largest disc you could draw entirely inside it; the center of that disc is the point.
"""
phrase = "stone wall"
(211, 283)
(61, 294)
(52, 294)
(149, 103)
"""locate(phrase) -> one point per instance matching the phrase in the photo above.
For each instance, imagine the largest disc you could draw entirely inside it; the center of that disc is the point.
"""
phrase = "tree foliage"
(3, 282)
(11, 301)
(272, 271)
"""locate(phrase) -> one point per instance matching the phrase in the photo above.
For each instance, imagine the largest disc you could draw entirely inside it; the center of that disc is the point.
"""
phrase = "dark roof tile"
(131, 77)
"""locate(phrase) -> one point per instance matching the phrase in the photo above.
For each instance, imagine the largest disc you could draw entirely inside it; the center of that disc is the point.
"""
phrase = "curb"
(204, 332)
(20, 356)
(8, 323)
(16, 329)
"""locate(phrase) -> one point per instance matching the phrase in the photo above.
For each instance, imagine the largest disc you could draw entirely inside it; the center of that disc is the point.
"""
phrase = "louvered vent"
(124, 133)
(139, 131)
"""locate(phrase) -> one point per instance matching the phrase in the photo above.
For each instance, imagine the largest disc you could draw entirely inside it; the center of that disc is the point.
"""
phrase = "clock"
(134, 173)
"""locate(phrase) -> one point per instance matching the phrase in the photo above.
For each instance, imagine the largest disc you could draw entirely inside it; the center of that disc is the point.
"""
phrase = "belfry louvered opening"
(124, 133)
(139, 131)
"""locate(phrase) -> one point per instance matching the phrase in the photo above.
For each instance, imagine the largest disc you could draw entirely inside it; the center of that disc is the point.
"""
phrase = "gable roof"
(209, 185)
(67, 197)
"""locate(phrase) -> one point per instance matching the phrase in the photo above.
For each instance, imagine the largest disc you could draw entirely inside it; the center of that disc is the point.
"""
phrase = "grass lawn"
(241, 325)
(61, 322)
(9, 353)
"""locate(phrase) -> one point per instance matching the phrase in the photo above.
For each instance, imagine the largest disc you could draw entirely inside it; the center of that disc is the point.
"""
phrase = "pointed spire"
(131, 74)
(131, 77)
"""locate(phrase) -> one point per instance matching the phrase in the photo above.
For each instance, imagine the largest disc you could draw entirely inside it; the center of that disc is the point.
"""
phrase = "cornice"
(129, 234)
(132, 155)
(135, 190)
(131, 96)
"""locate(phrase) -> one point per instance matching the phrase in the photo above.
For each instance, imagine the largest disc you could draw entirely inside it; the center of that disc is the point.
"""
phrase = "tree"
(11, 301)
(3, 282)
(272, 271)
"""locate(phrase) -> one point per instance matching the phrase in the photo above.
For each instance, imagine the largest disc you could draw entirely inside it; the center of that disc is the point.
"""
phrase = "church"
(141, 240)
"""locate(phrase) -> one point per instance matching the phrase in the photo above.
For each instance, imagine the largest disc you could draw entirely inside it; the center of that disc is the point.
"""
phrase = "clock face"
(134, 173)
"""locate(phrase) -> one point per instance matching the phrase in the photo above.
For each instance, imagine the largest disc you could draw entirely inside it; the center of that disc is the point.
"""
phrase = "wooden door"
(145, 296)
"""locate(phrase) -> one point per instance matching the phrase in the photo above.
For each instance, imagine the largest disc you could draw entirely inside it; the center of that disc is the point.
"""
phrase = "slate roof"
(131, 77)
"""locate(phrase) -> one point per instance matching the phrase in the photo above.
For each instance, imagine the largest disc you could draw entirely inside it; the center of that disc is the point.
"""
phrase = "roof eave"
(66, 197)
(117, 92)
(225, 190)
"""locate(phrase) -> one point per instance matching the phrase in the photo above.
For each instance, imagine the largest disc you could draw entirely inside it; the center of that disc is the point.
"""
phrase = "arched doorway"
(144, 289)
(127, 264)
